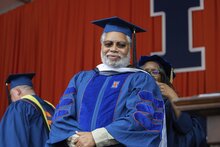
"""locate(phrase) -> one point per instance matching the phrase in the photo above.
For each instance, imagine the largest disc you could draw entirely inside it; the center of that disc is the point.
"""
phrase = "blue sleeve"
(22, 126)
(187, 130)
(184, 123)
(64, 122)
(144, 121)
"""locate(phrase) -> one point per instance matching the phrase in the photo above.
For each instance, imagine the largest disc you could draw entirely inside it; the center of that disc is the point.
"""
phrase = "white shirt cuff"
(103, 138)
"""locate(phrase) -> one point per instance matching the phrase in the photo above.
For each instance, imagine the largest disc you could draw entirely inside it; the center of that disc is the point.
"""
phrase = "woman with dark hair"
(182, 129)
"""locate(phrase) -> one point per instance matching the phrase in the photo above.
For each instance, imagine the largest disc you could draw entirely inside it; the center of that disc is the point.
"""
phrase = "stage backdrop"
(55, 39)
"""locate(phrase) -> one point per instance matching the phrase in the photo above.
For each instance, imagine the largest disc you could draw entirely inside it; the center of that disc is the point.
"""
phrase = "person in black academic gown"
(182, 129)
(23, 124)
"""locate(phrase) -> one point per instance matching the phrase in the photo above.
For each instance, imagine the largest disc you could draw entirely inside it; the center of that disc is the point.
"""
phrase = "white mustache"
(114, 55)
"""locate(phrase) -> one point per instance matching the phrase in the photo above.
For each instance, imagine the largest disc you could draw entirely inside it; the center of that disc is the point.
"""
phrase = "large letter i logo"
(177, 33)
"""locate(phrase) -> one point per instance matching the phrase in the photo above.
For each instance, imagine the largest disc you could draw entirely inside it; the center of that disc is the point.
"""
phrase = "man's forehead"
(116, 36)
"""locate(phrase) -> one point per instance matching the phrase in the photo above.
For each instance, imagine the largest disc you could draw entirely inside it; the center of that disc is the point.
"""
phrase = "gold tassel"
(171, 75)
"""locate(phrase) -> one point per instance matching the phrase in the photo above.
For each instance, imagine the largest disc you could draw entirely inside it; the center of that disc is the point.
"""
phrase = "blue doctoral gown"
(189, 130)
(23, 126)
(129, 105)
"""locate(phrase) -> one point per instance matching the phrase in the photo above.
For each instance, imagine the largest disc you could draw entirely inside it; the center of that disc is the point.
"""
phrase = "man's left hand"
(85, 139)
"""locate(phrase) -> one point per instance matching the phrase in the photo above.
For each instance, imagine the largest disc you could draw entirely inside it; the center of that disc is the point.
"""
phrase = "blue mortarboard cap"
(116, 24)
(20, 79)
(166, 65)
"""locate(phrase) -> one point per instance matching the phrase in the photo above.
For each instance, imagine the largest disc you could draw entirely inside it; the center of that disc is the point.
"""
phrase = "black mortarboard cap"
(20, 79)
(166, 65)
(116, 24)
(17, 80)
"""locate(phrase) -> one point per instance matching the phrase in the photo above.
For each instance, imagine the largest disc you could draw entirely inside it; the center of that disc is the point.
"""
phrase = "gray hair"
(26, 90)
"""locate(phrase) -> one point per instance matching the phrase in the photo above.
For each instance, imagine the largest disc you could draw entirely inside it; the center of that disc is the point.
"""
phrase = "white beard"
(123, 62)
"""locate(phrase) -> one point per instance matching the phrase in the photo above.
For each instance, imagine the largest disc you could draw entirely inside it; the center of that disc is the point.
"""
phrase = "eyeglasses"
(153, 72)
(119, 44)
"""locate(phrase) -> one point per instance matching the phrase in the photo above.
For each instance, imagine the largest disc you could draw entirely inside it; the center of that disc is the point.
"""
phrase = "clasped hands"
(81, 139)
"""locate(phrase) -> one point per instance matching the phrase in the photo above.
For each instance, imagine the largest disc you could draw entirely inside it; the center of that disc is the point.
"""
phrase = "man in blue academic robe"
(23, 124)
(112, 104)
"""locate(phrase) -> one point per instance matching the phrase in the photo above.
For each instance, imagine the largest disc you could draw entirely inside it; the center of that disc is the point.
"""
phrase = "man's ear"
(18, 91)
